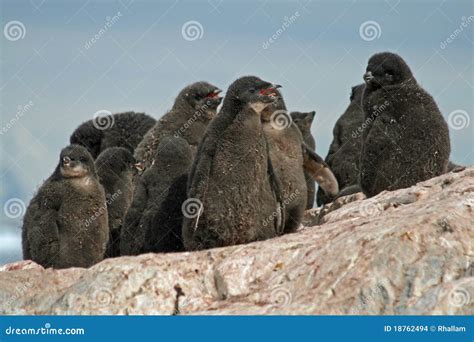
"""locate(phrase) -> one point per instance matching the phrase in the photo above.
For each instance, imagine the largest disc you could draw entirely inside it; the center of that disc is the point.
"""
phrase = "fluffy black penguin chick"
(344, 152)
(233, 194)
(194, 107)
(304, 120)
(153, 222)
(121, 130)
(65, 224)
(115, 168)
(290, 162)
(406, 140)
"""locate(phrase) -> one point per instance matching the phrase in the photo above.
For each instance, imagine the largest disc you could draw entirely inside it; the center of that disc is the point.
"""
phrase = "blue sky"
(142, 61)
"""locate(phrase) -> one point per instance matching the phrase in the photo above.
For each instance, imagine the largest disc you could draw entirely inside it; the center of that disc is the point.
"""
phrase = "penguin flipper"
(320, 171)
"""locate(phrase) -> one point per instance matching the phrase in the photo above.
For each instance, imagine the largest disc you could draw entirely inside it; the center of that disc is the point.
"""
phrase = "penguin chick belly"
(81, 243)
(240, 191)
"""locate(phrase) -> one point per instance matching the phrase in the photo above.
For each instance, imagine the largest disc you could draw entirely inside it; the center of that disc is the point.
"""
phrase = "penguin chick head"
(356, 92)
(386, 69)
(303, 120)
(201, 96)
(253, 92)
(115, 159)
(172, 150)
(75, 162)
(277, 105)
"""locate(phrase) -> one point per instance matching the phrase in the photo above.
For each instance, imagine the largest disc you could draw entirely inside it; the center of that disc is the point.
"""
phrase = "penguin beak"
(368, 77)
(215, 94)
(270, 91)
(66, 161)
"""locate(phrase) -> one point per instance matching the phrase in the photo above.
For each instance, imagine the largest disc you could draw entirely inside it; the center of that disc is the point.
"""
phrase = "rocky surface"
(409, 251)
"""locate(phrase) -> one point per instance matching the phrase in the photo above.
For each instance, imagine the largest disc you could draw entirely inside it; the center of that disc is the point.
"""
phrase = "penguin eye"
(66, 159)
(252, 90)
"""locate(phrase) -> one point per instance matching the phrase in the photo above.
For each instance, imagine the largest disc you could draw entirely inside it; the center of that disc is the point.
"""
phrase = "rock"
(405, 252)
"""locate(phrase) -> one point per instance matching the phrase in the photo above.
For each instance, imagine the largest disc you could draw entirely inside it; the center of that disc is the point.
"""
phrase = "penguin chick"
(120, 130)
(115, 168)
(66, 224)
(194, 107)
(304, 120)
(233, 194)
(406, 140)
(344, 152)
(153, 222)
